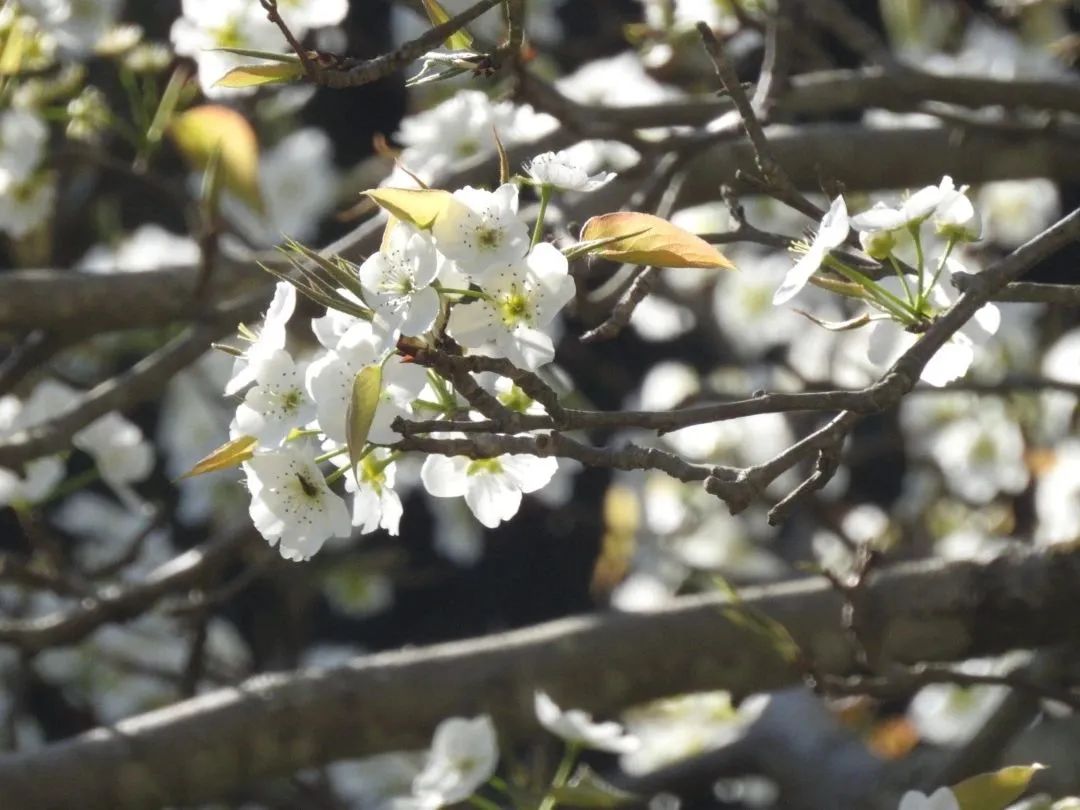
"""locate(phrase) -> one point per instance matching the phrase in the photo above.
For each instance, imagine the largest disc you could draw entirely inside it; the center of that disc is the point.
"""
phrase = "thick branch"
(273, 725)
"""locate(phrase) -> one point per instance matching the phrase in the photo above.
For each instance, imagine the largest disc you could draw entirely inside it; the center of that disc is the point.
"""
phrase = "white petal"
(492, 499)
(529, 473)
(526, 348)
(444, 476)
(423, 309)
(834, 225)
(799, 275)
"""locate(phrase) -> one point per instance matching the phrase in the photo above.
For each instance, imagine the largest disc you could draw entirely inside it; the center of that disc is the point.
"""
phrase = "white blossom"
(831, 234)
(269, 339)
(23, 136)
(397, 280)
(578, 728)
(912, 211)
(462, 758)
(940, 799)
(209, 25)
(1014, 211)
(375, 503)
(277, 403)
(77, 25)
(481, 230)
(982, 454)
(1057, 498)
(27, 204)
(560, 170)
(40, 475)
(118, 447)
(492, 487)
(148, 248)
(291, 505)
(521, 298)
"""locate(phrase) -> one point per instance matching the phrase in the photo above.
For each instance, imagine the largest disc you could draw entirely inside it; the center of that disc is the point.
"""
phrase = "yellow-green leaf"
(420, 206)
(367, 386)
(12, 49)
(460, 40)
(231, 454)
(202, 131)
(651, 240)
(256, 75)
(995, 790)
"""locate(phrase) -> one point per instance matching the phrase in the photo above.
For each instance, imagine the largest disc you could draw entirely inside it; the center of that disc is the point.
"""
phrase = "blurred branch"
(274, 725)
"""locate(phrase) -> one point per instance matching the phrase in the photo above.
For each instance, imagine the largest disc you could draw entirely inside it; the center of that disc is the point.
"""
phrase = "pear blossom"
(118, 447)
(520, 299)
(397, 280)
(147, 248)
(25, 205)
(291, 504)
(481, 230)
(949, 714)
(577, 727)
(560, 170)
(955, 217)
(492, 487)
(462, 758)
(1057, 498)
(23, 135)
(269, 339)
(1014, 211)
(375, 503)
(833, 232)
(277, 403)
(41, 475)
(77, 25)
(911, 211)
(209, 25)
(940, 799)
(982, 454)
(330, 381)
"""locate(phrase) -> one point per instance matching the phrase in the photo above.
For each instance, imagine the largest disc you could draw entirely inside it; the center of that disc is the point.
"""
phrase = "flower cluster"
(475, 274)
(922, 261)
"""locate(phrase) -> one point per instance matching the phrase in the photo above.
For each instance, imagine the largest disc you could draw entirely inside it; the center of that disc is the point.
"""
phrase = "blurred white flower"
(463, 756)
(313, 13)
(374, 782)
(940, 799)
(657, 319)
(209, 25)
(23, 136)
(946, 714)
(616, 81)
(41, 475)
(1014, 211)
(27, 204)
(1057, 497)
(982, 454)
(149, 247)
(689, 725)
(118, 447)
(77, 25)
(578, 728)
(561, 171)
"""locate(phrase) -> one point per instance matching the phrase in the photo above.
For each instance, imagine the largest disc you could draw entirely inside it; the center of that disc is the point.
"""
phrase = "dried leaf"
(231, 454)
(504, 160)
(648, 239)
(202, 131)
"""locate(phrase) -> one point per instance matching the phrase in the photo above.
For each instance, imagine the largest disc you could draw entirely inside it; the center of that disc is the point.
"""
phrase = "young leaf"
(256, 75)
(587, 789)
(270, 56)
(995, 790)
(231, 454)
(648, 239)
(421, 207)
(460, 40)
(367, 386)
(201, 131)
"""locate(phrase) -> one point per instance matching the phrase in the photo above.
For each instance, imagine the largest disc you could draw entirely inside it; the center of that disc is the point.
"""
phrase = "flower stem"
(916, 236)
(331, 454)
(538, 230)
(900, 275)
(464, 293)
(900, 310)
(482, 803)
(941, 265)
(562, 775)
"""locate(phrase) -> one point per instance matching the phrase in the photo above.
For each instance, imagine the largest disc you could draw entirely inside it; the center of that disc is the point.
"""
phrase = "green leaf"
(367, 386)
(421, 207)
(202, 131)
(647, 239)
(231, 454)
(995, 790)
(587, 789)
(12, 49)
(460, 40)
(257, 75)
(271, 56)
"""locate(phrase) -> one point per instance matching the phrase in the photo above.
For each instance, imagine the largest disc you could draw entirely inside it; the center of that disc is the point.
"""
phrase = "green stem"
(538, 230)
(900, 310)
(941, 265)
(482, 803)
(916, 236)
(464, 293)
(71, 485)
(562, 775)
(900, 275)
(331, 454)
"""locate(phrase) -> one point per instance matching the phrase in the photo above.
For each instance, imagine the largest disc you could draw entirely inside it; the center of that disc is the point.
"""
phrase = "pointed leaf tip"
(231, 454)
(648, 239)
